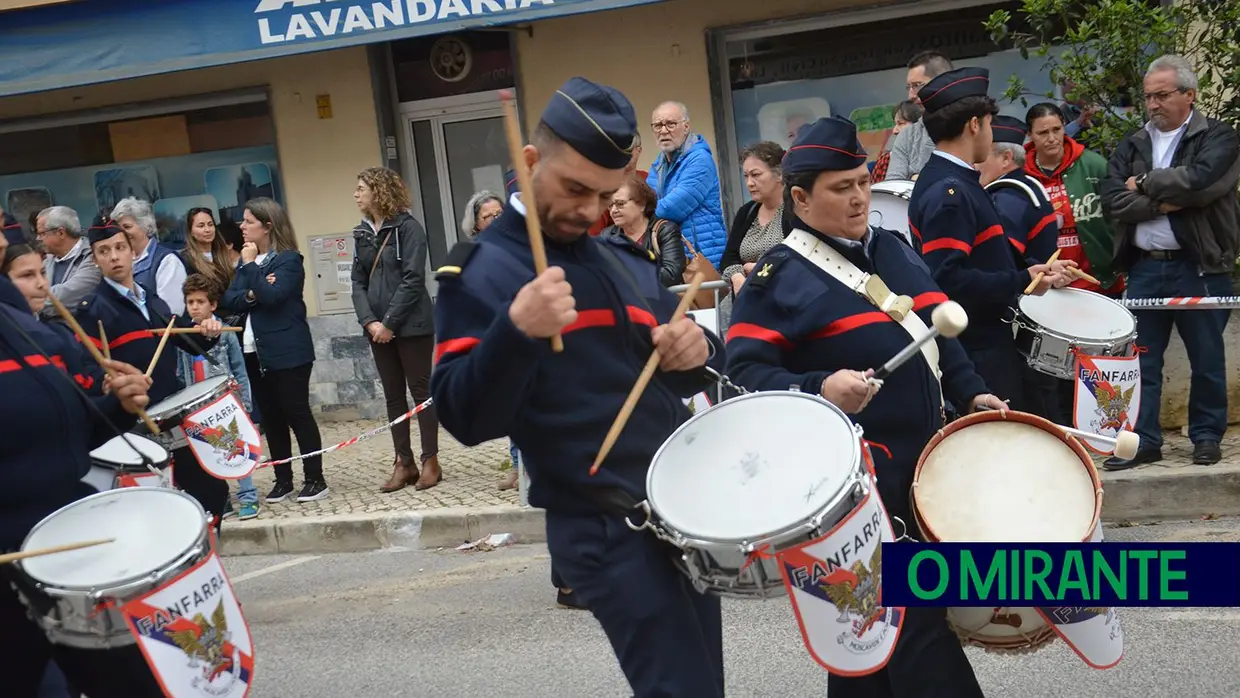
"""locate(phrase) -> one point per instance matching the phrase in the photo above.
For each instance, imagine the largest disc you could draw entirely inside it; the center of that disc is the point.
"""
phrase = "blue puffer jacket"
(688, 192)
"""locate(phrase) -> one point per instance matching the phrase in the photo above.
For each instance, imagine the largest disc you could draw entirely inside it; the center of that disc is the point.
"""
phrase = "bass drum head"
(179, 400)
(152, 527)
(1080, 314)
(118, 452)
(753, 466)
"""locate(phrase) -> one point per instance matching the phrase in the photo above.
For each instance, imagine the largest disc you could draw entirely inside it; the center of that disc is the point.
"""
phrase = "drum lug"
(903, 536)
(645, 509)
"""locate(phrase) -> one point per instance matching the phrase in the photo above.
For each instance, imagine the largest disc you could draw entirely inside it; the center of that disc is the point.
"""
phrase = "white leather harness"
(1016, 183)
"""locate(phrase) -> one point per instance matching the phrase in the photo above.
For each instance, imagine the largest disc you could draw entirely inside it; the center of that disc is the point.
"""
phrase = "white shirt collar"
(137, 293)
(72, 250)
(1157, 133)
(515, 202)
(952, 158)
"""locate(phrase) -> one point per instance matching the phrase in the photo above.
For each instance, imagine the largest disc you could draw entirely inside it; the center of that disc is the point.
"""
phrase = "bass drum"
(889, 206)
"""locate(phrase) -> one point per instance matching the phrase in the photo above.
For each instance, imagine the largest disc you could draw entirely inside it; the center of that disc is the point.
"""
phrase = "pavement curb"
(1151, 493)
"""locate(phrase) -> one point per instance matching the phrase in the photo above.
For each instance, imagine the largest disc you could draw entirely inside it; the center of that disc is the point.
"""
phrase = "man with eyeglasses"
(686, 180)
(1171, 188)
(912, 147)
(68, 263)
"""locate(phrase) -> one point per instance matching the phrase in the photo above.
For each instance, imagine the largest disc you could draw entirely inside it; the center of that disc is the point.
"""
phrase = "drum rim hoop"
(164, 410)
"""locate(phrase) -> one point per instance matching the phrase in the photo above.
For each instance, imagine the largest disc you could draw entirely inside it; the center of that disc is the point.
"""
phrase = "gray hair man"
(911, 149)
(68, 263)
(686, 180)
(1171, 188)
(156, 267)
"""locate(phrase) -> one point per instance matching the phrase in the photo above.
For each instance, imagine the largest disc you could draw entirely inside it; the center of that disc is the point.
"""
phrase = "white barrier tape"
(1183, 303)
(361, 437)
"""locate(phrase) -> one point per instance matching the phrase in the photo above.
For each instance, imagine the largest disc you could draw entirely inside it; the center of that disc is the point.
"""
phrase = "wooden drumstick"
(192, 330)
(25, 554)
(94, 351)
(1083, 276)
(103, 339)
(526, 187)
(160, 349)
(653, 363)
(1038, 278)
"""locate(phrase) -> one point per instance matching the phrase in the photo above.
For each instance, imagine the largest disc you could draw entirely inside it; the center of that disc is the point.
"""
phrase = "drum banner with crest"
(223, 438)
(1108, 397)
(835, 585)
(193, 635)
(1094, 633)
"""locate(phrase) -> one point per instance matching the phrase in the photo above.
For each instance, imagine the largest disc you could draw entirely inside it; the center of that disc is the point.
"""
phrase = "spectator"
(206, 252)
(905, 113)
(759, 225)
(605, 219)
(1171, 186)
(278, 348)
(686, 181)
(156, 267)
(395, 312)
(69, 265)
(912, 147)
(633, 210)
(1078, 115)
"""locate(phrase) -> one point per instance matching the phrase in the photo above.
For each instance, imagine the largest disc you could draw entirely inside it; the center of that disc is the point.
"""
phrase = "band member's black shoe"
(1145, 455)
(569, 599)
(280, 492)
(1206, 453)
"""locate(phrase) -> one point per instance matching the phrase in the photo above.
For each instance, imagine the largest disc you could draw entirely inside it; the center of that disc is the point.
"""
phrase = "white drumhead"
(178, 400)
(753, 466)
(1005, 481)
(889, 206)
(152, 527)
(120, 451)
(1078, 313)
(900, 187)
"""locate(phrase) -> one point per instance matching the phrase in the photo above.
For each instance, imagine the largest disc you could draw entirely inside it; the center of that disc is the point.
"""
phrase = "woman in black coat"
(395, 311)
(632, 210)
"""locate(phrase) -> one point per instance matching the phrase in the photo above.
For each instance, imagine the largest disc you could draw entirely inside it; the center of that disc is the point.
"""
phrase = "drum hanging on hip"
(889, 206)
(1050, 329)
(170, 412)
(119, 457)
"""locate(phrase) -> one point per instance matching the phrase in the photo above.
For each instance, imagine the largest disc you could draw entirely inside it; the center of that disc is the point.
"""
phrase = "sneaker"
(248, 511)
(312, 491)
(280, 492)
(228, 510)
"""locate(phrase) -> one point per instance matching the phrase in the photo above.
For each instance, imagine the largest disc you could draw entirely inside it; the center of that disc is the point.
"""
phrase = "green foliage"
(1104, 47)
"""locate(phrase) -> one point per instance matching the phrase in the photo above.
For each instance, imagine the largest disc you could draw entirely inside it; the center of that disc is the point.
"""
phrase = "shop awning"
(57, 46)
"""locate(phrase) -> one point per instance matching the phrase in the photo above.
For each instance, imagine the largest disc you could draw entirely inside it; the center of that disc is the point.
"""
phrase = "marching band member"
(798, 322)
(497, 376)
(48, 434)
(961, 234)
(129, 311)
(1032, 227)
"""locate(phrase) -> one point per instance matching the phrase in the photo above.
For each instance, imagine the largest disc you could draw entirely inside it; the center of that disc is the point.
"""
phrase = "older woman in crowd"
(632, 210)
(396, 315)
(759, 224)
(905, 113)
(157, 267)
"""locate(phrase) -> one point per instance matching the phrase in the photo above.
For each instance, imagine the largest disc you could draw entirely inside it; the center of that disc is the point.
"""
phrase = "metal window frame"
(137, 110)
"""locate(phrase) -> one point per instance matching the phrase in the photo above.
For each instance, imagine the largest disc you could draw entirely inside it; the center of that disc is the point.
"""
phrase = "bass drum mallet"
(947, 320)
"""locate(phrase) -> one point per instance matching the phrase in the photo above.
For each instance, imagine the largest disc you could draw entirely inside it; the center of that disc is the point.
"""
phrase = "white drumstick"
(948, 320)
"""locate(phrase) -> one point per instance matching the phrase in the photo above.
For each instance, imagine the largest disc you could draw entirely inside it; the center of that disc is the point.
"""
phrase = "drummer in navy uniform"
(48, 430)
(129, 311)
(496, 375)
(961, 234)
(797, 324)
(1032, 227)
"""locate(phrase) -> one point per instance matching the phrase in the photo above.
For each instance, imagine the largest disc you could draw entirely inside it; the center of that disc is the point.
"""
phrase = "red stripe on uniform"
(641, 317)
(32, 361)
(991, 232)
(130, 337)
(459, 345)
(912, 228)
(1020, 246)
(924, 300)
(590, 318)
(1042, 224)
(946, 244)
(745, 330)
(850, 323)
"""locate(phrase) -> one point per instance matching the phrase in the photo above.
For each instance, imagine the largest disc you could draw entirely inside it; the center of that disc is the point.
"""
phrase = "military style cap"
(953, 86)
(13, 233)
(102, 229)
(827, 144)
(596, 120)
(1008, 130)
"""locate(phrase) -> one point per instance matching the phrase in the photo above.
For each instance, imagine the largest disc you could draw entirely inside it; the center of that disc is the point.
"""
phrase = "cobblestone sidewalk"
(355, 473)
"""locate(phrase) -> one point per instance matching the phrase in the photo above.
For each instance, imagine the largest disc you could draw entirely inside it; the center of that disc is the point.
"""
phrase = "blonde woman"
(396, 315)
(279, 352)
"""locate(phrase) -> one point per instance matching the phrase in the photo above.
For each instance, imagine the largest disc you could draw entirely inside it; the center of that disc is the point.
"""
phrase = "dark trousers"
(1045, 396)
(283, 396)
(406, 362)
(999, 365)
(189, 475)
(667, 637)
(1202, 332)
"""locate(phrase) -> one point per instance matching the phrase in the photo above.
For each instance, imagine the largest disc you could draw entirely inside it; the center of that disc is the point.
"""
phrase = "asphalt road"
(446, 623)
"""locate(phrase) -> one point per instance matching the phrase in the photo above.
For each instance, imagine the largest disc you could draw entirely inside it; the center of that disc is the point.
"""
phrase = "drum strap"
(869, 287)
(1037, 201)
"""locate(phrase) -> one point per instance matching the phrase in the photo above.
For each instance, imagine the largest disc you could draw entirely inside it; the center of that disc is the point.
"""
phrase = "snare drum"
(1005, 477)
(889, 205)
(117, 457)
(1051, 328)
(750, 477)
(170, 412)
(76, 596)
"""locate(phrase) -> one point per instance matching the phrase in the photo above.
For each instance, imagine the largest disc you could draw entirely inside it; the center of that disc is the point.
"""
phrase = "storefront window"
(216, 158)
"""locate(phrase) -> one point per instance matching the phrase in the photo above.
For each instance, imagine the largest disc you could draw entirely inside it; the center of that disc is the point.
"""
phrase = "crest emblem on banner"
(223, 438)
(1108, 397)
(835, 584)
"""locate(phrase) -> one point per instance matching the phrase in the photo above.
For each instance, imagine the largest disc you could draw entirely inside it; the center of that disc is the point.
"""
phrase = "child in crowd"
(201, 298)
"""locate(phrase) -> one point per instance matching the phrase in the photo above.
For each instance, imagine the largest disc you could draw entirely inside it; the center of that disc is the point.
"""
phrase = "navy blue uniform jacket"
(1032, 230)
(963, 243)
(278, 311)
(46, 427)
(490, 380)
(797, 325)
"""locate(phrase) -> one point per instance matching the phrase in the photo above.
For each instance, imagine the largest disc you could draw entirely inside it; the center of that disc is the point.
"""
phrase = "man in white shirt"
(1171, 188)
(155, 266)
